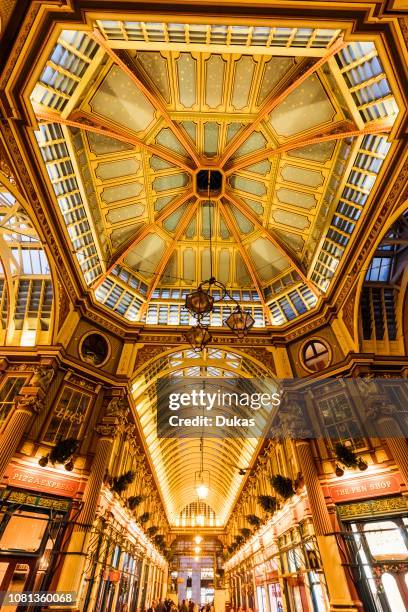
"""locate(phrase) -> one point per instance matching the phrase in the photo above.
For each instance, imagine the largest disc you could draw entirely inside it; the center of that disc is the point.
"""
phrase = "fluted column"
(100, 464)
(340, 595)
(72, 572)
(28, 404)
(389, 429)
(397, 445)
(321, 518)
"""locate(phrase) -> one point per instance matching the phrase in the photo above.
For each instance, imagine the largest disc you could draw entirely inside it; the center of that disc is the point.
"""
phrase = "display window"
(30, 536)
(380, 549)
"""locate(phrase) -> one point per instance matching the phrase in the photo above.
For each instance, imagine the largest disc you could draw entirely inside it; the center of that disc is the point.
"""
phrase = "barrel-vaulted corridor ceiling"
(177, 460)
(295, 119)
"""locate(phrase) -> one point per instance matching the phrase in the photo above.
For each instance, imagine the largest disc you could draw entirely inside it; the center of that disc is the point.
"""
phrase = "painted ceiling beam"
(337, 131)
(122, 59)
(234, 231)
(183, 224)
(302, 72)
(85, 121)
(273, 239)
(138, 237)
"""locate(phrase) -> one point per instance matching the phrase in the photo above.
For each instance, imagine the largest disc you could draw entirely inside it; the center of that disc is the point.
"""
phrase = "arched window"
(26, 289)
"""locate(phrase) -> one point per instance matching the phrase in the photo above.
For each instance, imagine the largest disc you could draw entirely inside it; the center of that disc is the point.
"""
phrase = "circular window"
(94, 349)
(315, 355)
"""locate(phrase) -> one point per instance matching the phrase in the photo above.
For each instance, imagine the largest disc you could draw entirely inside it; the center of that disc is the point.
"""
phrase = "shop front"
(376, 533)
(32, 528)
(301, 572)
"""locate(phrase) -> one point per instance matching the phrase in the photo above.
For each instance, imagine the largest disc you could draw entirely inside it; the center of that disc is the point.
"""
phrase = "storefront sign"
(362, 488)
(42, 480)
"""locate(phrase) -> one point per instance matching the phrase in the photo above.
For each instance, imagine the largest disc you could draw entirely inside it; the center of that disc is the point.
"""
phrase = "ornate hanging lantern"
(199, 302)
(240, 321)
(198, 336)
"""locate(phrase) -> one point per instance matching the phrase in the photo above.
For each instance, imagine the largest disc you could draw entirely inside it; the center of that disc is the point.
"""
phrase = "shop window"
(9, 391)
(24, 531)
(275, 597)
(68, 415)
(261, 598)
(392, 593)
(315, 355)
(385, 541)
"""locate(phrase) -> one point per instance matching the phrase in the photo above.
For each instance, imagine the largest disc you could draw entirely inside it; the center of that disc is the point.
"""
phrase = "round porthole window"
(315, 355)
(94, 349)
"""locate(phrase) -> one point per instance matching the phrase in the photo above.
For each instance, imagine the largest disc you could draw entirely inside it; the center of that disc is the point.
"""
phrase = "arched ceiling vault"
(26, 287)
(296, 120)
(177, 460)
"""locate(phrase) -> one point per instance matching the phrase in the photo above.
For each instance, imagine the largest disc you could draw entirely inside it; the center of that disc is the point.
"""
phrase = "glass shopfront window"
(29, 537)
(261, 599)
(24, 531)
(275, 597)
(380, 548)
(304, 583)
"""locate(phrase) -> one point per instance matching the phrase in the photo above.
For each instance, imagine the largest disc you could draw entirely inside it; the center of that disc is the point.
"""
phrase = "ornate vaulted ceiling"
(298, 124)
(295, 119)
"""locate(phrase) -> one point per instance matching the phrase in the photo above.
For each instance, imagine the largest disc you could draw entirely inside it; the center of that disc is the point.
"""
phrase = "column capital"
(106, 430)
(30, 404)
(42, 377)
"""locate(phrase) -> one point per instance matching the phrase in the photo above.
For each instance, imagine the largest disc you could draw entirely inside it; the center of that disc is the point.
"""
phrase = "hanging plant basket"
(346, 455)
(283, 486)
(151, 531)
(134, 501)
(119, 484)
(245, 532)
(159, 541)
(268, 503)
(63, 451)
(253, 520)
(144, 517)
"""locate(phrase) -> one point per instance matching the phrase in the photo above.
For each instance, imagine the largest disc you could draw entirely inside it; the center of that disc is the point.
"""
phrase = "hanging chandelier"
(202, 301)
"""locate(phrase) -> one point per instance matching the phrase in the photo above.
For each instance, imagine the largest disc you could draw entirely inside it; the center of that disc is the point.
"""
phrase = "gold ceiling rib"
(122, 59)
(169, 251)
(273, 239)
(85, 121)
(233, 229)
(118, 257)
(273, 100)
(337, 131)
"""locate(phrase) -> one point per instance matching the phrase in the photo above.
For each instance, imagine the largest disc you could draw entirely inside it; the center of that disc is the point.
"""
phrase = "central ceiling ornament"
(201, 302)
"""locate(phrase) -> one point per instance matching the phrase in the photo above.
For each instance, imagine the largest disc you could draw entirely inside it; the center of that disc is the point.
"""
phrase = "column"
(340, 595)
(380, 412)
(396, 443)
(28, 404)
(165, 583)
(141, 583)
(72, 573)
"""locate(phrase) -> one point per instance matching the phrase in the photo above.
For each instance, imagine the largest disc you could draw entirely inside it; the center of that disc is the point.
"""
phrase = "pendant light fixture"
(202, 477)
(200, 302)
